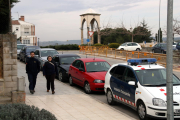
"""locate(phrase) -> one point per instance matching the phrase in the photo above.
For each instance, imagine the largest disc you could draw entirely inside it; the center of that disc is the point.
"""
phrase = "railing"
(125, 55)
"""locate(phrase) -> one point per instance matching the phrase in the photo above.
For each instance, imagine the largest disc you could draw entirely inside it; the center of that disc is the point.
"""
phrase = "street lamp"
(131, 30)
(38, 41)
(159, 21)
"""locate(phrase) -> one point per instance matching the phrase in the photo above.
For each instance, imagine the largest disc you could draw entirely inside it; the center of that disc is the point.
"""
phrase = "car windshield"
(68, 60)
(154, 77)
(30, 49)
(97, 66)
(163, 45)
(20, 46)
(124, 44)
(45, 53)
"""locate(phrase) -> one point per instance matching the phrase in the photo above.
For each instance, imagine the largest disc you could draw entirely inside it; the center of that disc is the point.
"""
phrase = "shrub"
(63, 47)
(24, 112)
(113, 45)
(97, 44)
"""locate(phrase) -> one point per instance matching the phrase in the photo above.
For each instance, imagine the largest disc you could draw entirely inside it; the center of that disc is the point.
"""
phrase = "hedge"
(63, 47)
(24, 112)
(114, 45)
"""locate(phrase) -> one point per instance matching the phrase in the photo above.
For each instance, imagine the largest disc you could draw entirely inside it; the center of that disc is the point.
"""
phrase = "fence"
(125, 55)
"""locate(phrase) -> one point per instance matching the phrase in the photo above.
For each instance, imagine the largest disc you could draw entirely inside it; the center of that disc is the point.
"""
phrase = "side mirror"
(132, 83)
(81, 69)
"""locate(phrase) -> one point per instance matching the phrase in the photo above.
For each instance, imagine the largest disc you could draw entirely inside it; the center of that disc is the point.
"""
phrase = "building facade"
(25, 31)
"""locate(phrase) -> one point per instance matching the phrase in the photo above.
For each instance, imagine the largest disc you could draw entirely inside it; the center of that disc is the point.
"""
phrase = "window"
(124, 44)
(45, 53)
(76, 63)
(129, 44)
(26, 41)
(56, 59)
(118, 73)
(112, 70)
(17, 28)
(134, 44)
(81, 65)
(26, 30)
(97, 66)
(129, 75)
(37, 52)
(68, 60)
(20, 46)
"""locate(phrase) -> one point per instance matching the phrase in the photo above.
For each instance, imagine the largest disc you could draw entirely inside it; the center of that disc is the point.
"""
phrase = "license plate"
(177, 111)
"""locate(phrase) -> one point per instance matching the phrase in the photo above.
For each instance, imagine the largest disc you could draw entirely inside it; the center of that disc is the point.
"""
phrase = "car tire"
(121, 49)
(87, 88)
(110, 98)
(61, 77)
(138, 49)
(141, 110)
(71, 81)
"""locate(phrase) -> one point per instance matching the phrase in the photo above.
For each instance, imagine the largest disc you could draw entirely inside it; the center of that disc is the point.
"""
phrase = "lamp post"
(38, 41)
(131, 30)
(159, 37)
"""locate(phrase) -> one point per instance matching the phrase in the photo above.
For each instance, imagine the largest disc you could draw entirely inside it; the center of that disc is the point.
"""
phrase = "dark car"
(24, 54)
(63, 62)
(178, 46)
(161, 48)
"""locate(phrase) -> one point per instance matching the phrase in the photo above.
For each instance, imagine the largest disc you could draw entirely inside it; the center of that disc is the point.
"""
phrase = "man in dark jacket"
(32, 69)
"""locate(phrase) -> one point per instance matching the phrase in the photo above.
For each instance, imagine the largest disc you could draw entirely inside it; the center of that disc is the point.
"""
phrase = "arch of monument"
(90, 17)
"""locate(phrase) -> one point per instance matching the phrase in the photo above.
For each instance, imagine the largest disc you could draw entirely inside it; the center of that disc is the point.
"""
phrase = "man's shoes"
(53, 92)
(47, 90)
(32, 91)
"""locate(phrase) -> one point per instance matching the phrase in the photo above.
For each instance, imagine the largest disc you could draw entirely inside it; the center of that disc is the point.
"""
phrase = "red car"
(88, 73)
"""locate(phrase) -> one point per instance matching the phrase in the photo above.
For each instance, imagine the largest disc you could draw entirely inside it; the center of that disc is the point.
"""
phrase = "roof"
(66, 55)
(90, 12)
(91, 60)
(25, 23)
(139, 67)
(15, 22)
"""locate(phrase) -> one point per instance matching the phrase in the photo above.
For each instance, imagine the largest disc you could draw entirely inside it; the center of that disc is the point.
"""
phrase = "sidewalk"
(68, 103)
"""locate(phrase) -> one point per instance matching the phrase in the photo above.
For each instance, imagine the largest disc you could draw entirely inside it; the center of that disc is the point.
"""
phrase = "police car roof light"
(142, 60)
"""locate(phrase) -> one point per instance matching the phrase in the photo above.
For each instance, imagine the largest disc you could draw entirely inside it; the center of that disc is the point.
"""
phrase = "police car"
(141, 85)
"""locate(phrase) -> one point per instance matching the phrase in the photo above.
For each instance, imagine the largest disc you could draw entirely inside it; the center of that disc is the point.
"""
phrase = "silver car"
(42, 54)
(19, 47)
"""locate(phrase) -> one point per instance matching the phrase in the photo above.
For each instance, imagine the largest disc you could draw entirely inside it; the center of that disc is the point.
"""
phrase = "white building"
(25, 31)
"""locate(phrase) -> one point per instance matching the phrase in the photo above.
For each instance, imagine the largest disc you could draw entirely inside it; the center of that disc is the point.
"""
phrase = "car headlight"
(159, 102)
(98, 81)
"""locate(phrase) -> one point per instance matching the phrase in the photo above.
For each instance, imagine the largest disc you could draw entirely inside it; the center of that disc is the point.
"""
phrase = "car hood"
(160, 92)
(44, 58)
(65, 67)
(97, 75)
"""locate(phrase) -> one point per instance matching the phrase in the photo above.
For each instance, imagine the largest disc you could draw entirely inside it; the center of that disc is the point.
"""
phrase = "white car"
(19, 47)
(131, 46)
(141, 85)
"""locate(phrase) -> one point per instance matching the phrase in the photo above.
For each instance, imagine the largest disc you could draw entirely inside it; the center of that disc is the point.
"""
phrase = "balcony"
(27, 34)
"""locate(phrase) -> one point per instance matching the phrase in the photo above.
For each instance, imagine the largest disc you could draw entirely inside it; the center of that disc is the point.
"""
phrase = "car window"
(76, 63)
(97, 66)
(134, 44)
(129, 44)
(36, 52)
(129, 75)
(119, 71)
(81, 65)
(112, 70)
(45, 53)
(20, 46)
(124, 44)
(68, 60)
(178, 44)
(30, 49)
(56, 59)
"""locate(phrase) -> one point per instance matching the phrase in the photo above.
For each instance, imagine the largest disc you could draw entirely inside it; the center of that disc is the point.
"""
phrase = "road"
(101, 96)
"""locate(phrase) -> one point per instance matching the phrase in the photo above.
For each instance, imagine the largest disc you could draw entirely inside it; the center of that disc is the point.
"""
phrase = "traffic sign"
(91, 33)
(87, 40)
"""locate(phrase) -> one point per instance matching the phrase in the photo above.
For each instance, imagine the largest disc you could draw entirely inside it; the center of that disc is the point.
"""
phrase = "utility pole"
(38, 41)
(159, 20)
(169, 61)
(10, 24)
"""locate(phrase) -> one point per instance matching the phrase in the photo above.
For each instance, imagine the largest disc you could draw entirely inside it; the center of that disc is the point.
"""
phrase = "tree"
(4, 14)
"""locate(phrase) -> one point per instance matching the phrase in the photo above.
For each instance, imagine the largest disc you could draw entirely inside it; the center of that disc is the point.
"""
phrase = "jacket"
(50, 68)
(32, 66)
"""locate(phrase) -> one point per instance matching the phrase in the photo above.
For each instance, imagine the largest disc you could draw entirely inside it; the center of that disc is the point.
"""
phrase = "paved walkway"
(68, 103)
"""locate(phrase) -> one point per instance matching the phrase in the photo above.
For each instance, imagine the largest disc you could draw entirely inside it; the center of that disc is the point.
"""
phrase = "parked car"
(88, 73)
(19, 47)
(160, 48)
(43, 53)
(25, 52)
(63, 62)
(141, 85)
(178, 46)
(131, 46)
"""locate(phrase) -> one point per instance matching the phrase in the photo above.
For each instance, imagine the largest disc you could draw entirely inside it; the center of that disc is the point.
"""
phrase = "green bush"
(97, 44)
(24, 112)
(113, 45)
(63, 47)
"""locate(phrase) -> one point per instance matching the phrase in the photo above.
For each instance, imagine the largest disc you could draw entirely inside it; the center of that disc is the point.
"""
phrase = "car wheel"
(138, 49)
(121, 49)
(87, 88)
(141, 109)
(110, 98)
(61, 77)
(71, 81)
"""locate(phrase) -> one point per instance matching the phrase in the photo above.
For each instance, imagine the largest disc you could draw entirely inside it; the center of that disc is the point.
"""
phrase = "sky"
(60, 20)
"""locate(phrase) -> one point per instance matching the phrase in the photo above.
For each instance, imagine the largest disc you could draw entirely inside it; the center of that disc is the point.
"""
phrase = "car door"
(57, 61)
(134, 46)
(73, 71)
(129, 90)
(81, 74)
(156, 48)
(129, 47)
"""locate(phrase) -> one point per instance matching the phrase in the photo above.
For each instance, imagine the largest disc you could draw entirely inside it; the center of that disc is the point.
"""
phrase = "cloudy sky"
(60, 20)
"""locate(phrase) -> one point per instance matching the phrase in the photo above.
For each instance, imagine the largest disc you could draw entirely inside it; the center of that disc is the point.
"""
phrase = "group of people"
(49, 71)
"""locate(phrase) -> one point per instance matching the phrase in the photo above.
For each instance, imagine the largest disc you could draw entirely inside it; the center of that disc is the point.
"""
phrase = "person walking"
(32, 70)
(50, 71)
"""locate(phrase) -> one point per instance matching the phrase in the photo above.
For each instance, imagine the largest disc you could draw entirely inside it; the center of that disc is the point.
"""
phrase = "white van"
(141, 85)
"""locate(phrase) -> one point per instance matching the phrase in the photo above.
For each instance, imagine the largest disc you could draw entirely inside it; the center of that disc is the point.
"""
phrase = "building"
(25, 31)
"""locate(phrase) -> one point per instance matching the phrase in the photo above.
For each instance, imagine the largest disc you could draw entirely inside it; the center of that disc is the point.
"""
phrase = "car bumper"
(160, 112)
(97, 86)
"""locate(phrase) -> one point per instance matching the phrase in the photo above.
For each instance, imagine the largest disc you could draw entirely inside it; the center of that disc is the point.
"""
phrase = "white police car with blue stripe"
(141, 85)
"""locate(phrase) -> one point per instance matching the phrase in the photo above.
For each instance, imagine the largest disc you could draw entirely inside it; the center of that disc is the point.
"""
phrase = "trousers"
(50, 81)
(32, 80)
